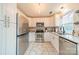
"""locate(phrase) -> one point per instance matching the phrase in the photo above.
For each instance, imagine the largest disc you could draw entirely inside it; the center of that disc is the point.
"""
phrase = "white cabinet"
(32, 36)
(2, 38)
(10, 11)
(7, 29)
(53, 38)
(1, 11)
(11, 39)
(47, 36)
(7, 39)
(76, 17)
(55, 41)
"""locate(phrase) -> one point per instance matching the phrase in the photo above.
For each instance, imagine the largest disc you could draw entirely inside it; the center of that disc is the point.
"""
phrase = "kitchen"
(40, 29)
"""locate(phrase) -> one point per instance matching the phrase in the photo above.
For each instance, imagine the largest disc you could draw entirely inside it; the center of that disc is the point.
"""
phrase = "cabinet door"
(47, 36)
(31, 36)
(2, 11)
(67, 47)
(10, 9)
(2, 38)
(11, 39)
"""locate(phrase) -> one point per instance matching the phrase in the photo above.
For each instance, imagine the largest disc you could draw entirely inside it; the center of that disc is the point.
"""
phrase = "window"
(67, 23)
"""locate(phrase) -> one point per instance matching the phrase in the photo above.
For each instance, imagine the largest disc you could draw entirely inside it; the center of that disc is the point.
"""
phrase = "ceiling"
(45, 9)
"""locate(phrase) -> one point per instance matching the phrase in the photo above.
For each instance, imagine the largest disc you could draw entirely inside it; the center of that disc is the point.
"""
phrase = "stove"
(39, 32)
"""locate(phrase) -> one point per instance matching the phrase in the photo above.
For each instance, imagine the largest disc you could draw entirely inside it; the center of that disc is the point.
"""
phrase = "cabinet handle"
(5, 23)
(8, 20)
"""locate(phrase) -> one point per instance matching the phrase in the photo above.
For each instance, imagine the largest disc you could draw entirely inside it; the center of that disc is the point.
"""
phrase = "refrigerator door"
(22, 44)
(22, 25)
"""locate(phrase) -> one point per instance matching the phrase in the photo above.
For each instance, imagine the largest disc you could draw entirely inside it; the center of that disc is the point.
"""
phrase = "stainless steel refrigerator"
(22, 35)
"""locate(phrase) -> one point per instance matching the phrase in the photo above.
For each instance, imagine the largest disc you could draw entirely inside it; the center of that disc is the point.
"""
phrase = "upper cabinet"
(1, 11)
(76, 23)
(8, 12)
(76, 17)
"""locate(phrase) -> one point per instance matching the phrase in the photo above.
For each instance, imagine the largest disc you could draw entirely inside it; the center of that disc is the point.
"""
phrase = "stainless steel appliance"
(39, 32)
(22, 35)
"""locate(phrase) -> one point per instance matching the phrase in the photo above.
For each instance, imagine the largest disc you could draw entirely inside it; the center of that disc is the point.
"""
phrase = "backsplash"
(46, 29)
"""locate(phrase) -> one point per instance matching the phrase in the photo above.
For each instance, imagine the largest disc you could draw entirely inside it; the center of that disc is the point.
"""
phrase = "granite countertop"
(72, 38)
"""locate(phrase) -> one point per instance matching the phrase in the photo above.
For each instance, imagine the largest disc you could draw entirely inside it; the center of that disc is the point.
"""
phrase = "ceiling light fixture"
(50, 12)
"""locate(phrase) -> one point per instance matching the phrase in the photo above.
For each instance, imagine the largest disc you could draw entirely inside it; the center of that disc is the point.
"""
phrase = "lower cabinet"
(2, 38)
(32, 36)
(55, 41)
(11, 39)
(66, 47)
(47, 36)
(7, 39)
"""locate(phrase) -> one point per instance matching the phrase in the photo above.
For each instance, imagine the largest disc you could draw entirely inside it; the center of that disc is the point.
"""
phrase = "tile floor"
(45, 48)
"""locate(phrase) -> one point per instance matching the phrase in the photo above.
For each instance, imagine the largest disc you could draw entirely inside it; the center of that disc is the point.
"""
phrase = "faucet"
(62, 30)
(73, 32)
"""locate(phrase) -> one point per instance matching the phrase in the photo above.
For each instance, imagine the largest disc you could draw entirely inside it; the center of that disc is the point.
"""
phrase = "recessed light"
(62, 7)
(50, 12)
